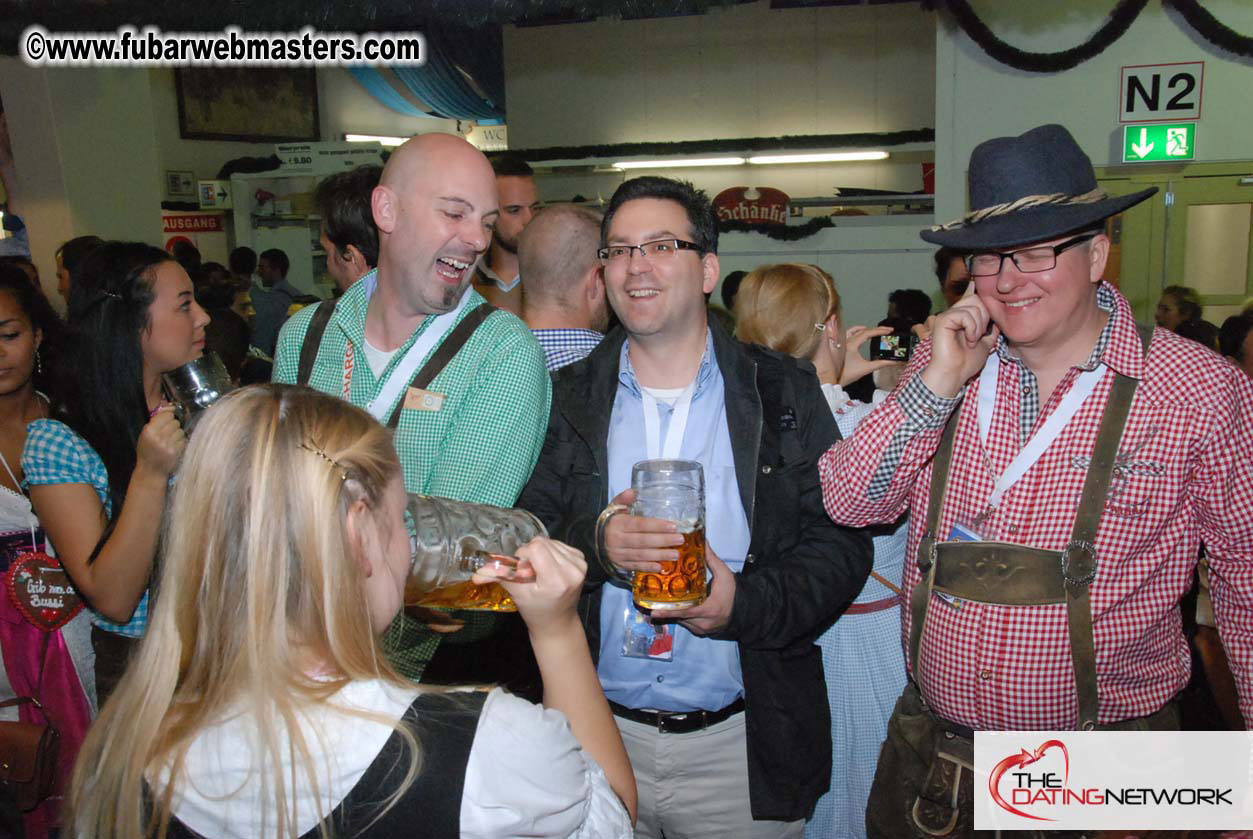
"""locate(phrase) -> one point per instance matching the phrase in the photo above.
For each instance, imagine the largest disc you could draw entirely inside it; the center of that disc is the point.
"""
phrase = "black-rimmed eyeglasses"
(661, 248)
(1028, 260)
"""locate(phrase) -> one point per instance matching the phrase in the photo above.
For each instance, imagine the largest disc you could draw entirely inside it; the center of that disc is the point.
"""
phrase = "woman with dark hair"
(1235, 340)
(99, 472)
(34, 661)
(69, 255)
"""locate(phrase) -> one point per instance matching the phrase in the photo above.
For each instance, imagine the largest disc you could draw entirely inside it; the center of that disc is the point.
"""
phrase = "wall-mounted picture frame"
(251, 105)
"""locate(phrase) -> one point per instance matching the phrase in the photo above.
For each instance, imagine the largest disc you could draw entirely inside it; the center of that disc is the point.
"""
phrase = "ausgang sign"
(1158, 143)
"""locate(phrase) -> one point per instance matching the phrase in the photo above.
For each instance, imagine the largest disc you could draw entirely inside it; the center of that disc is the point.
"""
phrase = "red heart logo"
(42, 591)
(1025, 758)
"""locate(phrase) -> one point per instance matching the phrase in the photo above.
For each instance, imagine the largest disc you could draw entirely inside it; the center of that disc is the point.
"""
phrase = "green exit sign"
(1144, 143)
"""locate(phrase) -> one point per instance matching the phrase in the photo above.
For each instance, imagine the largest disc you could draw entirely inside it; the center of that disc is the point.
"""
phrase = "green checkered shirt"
(480, 446)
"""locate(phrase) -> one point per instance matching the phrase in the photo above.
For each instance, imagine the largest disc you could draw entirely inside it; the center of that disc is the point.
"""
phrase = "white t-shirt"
(378, 359)
(526, 775)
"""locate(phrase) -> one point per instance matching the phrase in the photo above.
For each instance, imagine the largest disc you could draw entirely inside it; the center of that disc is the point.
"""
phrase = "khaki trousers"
(695, 785)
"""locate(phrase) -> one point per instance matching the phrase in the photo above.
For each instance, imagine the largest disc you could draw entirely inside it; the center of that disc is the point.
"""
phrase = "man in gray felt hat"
(1060, 466)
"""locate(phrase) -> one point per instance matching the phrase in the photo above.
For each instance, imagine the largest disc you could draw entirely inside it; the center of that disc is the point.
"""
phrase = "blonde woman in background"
(795, 309)
(259, 703)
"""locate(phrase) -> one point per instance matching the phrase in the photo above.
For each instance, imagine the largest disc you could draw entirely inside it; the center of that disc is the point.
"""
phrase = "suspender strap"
(449, 347)
(313, 340)
(1079, 557)
(926, 548)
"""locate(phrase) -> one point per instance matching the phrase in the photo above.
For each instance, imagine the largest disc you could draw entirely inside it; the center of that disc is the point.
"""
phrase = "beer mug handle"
(602, 521)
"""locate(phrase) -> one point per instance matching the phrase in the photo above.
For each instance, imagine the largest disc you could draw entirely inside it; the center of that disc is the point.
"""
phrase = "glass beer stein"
(673, 490)
(450, 540)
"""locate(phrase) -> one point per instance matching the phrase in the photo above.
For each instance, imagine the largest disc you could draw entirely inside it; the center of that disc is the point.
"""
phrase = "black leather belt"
(678, 722)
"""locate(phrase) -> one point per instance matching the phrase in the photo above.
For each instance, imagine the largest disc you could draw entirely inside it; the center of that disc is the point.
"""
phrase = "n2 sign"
(1161, 92)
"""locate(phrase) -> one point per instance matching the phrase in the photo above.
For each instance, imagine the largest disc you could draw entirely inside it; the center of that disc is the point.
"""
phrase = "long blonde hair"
(780, 306)
(258, 578)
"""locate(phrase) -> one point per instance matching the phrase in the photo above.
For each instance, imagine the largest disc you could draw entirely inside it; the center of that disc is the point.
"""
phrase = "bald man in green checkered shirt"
(479, 436)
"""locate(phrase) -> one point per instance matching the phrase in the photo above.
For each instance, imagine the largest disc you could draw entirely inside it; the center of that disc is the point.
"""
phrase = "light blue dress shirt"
(704, 673)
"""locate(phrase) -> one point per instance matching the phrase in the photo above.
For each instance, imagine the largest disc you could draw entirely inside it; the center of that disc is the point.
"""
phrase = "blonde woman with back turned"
(795, 309)
(259, 704)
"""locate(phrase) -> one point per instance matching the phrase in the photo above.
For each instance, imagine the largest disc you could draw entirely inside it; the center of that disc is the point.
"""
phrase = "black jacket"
(800, 572)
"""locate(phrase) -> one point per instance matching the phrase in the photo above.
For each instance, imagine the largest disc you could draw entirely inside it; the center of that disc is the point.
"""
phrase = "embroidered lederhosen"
(1005, 574)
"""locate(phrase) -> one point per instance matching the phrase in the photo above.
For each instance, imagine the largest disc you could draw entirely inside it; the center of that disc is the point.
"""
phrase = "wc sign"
(1161, 92)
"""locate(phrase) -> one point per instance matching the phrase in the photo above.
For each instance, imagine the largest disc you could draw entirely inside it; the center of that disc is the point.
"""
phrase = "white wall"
(734, 72)
(84, 143)
(738, 71)
(978, 98)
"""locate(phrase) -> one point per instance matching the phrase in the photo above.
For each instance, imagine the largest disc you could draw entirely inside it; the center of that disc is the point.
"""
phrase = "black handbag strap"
(313, 340)
(21, 700)
(451, 345)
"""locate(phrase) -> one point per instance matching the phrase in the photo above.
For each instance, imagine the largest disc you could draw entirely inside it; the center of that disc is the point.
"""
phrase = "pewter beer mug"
(450, 540)
(673, 490)
(195, 386)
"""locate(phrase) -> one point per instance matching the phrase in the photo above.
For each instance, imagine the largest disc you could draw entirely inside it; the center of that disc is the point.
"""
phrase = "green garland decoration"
(779, 232)
(1209, 28)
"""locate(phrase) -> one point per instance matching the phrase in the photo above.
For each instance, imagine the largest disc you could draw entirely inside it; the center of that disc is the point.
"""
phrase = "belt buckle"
(664, 718)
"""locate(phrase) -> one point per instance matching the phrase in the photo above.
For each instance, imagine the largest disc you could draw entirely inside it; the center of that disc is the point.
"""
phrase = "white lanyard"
(403, 372)
(678, 424)
(1044, 436)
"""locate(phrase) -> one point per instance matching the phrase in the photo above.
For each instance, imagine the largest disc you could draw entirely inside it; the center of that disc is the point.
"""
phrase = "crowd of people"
(249, 661)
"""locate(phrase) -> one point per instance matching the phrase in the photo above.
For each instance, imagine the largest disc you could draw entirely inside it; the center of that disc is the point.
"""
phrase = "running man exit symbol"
(1177, 142)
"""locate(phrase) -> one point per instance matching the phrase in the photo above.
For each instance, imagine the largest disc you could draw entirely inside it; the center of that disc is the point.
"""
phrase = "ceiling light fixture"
(820, 157)
(679, 163)
(389, 142)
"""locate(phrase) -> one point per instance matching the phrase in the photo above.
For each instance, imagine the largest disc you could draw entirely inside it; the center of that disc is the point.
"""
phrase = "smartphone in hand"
(896, 346)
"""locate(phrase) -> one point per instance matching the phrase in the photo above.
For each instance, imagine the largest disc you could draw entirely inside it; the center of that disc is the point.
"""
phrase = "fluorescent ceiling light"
(390, 142)
(823, 157)
(673, 163)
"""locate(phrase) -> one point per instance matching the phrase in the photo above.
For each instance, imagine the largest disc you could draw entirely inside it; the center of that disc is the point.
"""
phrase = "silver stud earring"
(39, 365)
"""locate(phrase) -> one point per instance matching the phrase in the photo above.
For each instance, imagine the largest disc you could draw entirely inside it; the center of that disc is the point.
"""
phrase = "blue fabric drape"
(439, 83)
(377, 86)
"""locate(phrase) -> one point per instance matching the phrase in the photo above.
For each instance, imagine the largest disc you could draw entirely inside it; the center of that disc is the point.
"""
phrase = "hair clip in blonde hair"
(821, 327)
(309, 447)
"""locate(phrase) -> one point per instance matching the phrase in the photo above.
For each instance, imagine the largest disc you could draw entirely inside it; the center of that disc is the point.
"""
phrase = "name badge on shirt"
(417, 399)
(641, 638)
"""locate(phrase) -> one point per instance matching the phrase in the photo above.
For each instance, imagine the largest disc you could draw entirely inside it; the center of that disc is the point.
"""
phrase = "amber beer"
(681, 582)
(465, 594)
(491, 597)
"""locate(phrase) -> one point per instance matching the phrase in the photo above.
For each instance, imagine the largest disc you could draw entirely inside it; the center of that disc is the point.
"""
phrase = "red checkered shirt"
(1184, 474)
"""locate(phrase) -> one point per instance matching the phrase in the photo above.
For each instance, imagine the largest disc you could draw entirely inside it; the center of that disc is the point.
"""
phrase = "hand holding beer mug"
(671, 494)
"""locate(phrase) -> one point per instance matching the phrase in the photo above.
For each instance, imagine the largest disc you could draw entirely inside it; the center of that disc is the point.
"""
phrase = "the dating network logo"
(1082, 780)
